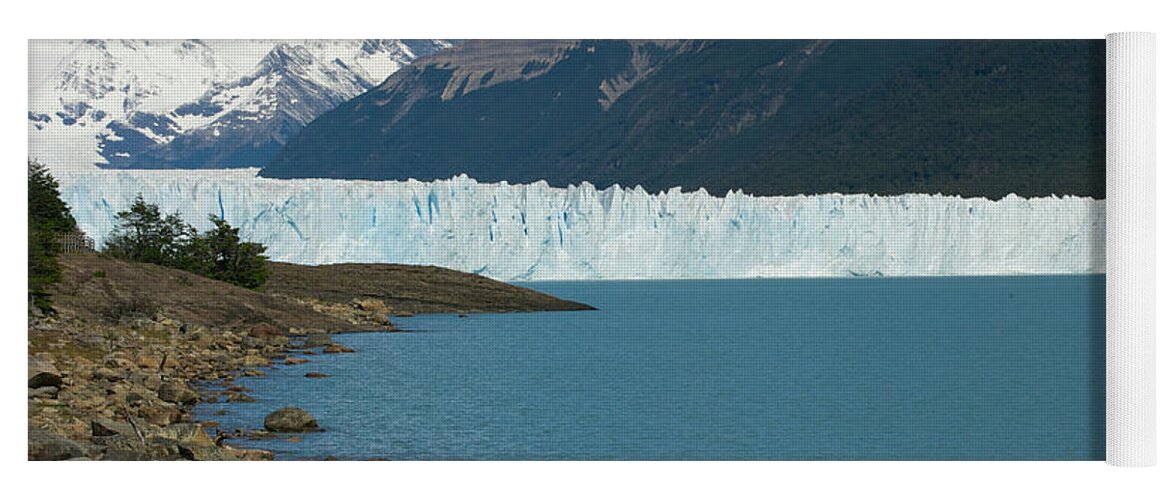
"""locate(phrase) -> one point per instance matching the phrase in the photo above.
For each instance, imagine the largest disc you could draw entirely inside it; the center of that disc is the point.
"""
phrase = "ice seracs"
(538, 232)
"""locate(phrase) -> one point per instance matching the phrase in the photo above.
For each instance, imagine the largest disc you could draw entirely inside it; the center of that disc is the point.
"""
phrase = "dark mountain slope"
(975, 118)
(484, 108)
(711, 110)
(978, 118)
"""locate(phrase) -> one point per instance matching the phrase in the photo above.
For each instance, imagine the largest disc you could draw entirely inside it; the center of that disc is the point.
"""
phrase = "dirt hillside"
(296, 298)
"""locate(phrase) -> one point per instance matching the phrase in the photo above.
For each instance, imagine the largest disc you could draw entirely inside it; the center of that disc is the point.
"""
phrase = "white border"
(532, 19)
(1130, 249)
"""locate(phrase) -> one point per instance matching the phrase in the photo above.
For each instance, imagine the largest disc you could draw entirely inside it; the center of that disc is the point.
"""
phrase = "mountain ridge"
(769, 117)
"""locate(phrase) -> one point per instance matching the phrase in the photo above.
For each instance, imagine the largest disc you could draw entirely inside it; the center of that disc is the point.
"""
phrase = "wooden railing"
(76, 242)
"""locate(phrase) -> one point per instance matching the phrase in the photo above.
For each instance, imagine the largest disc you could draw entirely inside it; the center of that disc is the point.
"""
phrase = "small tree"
(144, 234)
(231, 260)
(48, 219)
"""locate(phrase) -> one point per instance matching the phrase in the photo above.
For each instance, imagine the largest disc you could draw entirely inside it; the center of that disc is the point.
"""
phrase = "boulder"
(240, 397)
(318, 340)
(44, 445)
(253, 455)
(372, 305)
(152, 381)
(126, 454)
(260, 434)
(159, 415)
(264, 330)
(336, 349)
(105, 427)
(154, 362)
(290, 419)
(108, 374)
(187, 433)
(119, 360)
(148, 361)
(47, 392)
(315, 375)
(205, 341)
(174, 391)
(289, 360)
(42, 373)
(126, 448)
(207, 453)
(254, 360)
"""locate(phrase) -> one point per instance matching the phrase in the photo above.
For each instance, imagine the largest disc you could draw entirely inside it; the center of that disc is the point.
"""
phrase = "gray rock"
(108, 374)
(106, 427)
(44, 380)
(128, 455)
(44, 445)
(48, 392)
(290, 419)
(253, 342)
(265, 330)
(206, 453)
(186, 433)
(125, 448)
(240, 397)
(174, 391)
(152, 381)
(260, 434)
(42, 373)
(318, 340)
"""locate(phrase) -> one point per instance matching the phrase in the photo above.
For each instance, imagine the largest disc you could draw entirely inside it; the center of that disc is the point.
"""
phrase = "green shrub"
(144, 234)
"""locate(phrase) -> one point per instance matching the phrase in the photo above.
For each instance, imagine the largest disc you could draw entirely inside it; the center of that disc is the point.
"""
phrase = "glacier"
(537, 232)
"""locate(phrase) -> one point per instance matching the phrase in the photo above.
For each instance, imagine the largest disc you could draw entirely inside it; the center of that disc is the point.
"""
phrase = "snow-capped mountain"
(193, 103)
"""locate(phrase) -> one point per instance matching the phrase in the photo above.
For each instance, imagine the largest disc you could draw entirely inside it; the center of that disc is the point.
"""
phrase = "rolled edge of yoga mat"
(1130, 249)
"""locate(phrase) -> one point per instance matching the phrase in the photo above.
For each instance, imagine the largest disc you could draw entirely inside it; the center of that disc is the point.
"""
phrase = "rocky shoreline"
(128, 392)
(116, 371)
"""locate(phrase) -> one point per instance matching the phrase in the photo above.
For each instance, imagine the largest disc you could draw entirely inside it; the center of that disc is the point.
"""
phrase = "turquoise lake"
(964, 368)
